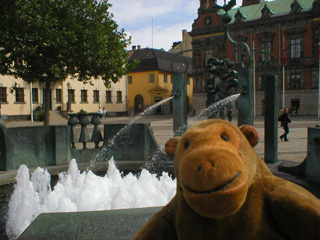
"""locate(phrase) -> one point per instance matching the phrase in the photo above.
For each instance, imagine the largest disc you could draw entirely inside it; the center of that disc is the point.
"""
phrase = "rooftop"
(277, 8)
(153, 60)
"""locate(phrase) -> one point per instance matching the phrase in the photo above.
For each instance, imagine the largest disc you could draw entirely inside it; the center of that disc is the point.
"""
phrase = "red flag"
(284, 57)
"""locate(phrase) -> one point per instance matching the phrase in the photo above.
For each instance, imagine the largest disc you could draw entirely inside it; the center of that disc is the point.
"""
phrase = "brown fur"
(225, 191)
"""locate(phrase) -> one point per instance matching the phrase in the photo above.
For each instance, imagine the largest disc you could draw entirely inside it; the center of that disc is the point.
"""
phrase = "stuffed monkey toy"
(226, 192)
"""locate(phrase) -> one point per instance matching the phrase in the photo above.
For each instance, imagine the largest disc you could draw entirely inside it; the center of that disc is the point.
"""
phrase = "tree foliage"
(60, 38)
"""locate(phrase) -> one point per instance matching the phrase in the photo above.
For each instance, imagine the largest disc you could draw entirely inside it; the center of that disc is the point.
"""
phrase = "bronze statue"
(228, 80)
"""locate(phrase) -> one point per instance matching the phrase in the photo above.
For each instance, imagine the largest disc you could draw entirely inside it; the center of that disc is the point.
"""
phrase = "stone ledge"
(111, 224)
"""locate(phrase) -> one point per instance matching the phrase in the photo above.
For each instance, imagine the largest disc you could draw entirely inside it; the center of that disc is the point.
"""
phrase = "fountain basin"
(53, 146)
(111, 224)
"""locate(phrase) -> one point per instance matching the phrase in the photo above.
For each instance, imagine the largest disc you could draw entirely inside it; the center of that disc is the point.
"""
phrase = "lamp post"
(69, 100)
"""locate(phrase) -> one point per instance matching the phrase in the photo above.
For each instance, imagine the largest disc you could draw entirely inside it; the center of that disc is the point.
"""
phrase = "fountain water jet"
(215, 107)
(140, 115)
(123, 133)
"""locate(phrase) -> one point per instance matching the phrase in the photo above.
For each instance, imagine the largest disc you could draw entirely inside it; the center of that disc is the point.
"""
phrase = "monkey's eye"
(186, 144)
(224, 137)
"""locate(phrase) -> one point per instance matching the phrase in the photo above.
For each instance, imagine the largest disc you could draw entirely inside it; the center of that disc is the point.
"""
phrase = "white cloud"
(169, 18)
(164, 37)
(132, 12)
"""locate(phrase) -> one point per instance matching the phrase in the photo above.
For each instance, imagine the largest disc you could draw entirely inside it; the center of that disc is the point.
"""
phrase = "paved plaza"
(295, 150)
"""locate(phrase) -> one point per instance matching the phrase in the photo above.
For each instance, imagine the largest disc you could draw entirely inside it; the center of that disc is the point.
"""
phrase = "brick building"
(264, 26)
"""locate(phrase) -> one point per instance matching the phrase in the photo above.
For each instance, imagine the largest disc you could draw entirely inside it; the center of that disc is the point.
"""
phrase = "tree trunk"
(47, 102)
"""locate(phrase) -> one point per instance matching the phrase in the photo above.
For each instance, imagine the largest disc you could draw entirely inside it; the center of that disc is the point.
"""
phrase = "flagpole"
(319, 78)
(283, 87)
(279, 72)
(254, 81)
(253, 74)
(283, 81)
(31, 103)
(319, 85)
(152, 32)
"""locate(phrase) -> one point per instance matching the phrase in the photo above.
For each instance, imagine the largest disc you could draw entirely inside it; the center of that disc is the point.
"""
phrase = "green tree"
(60, 38)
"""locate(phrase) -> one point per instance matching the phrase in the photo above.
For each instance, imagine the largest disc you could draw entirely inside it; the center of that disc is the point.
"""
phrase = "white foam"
(76, 191)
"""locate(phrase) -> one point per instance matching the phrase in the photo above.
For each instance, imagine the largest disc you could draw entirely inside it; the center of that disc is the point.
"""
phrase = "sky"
(156, 23)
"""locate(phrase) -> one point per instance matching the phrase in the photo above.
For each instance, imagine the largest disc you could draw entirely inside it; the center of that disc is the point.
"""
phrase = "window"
(3, 94)
(129, 79)
(165, 78)
(151, 78)
(84, 96)
(96, 96)
(266, 40)
(265, 47)
(119, 96)
(108, 96)
(35, 95)
(315, 80)
(58, 96)
(19, 95)
(71, 97)
(295, 48)
(295, 105)
(295, 81)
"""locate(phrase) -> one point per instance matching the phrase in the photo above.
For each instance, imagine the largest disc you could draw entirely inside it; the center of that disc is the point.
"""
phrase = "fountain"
(122, 143)
(78, 192)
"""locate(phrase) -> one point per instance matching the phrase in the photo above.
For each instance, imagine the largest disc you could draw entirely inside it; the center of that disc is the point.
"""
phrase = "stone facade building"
(292, 25)
(18, 103)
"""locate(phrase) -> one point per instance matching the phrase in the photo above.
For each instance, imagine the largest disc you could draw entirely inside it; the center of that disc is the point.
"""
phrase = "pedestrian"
(100, 112)
(285, 120)
(104, 113)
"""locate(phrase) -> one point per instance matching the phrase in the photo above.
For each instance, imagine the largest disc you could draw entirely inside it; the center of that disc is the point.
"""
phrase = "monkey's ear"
(251, 134)
(170, 146)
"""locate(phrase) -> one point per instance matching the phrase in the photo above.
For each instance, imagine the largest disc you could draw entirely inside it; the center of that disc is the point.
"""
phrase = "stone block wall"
(33, 146)
(308, 102)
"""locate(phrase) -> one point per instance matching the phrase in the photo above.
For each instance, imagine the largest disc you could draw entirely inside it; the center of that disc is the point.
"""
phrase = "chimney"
(184, 32)
(134, 48)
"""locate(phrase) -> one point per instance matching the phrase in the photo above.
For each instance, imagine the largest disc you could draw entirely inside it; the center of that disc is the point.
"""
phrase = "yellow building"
(151, 81)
